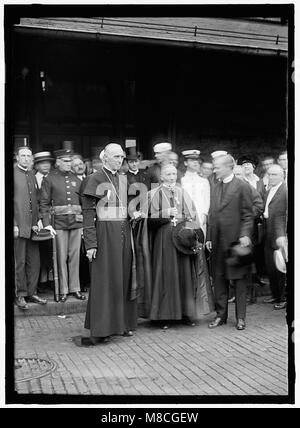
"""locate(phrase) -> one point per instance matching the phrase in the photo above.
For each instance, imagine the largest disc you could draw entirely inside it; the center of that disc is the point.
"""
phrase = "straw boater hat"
(41, 235)
(43, 156)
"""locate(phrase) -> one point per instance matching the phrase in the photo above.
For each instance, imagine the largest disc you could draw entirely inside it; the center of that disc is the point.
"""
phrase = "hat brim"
(44, 159)
(279, 261)
(41, 236)
(176, 241)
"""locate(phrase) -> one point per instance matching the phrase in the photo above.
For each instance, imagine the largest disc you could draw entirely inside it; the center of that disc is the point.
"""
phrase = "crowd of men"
(97, 217)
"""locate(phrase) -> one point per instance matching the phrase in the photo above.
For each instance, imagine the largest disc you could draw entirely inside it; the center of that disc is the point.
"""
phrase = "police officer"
(60, 197)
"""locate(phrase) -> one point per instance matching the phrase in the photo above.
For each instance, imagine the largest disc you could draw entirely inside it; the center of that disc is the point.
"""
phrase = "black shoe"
(78, 295)
(36, 299)
(232, 300)
(128, 333)
(269, 300)
(278, 306)
(20, 302)
(240, 325)
(63, 298)
(217, 322)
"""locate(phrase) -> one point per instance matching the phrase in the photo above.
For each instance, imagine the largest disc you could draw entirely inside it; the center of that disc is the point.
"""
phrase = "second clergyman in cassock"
(112, 304)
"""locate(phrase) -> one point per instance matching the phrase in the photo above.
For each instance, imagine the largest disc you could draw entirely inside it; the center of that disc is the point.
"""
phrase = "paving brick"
(179, 361)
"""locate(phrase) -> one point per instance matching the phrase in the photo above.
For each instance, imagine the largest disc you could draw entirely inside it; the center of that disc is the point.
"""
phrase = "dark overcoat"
(230, 218)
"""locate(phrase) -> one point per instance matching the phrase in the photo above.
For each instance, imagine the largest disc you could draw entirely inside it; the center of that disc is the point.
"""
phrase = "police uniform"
(60, 196)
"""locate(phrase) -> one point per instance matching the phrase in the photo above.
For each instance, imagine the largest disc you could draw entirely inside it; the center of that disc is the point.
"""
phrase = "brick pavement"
(180, 361)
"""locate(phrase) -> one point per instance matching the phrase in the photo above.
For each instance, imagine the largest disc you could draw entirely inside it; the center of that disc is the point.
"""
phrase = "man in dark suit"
(230, 220)
(275, 222)
(26, 215)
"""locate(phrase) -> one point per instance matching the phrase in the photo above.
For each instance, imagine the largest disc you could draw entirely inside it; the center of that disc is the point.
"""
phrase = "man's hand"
(91, 254)
(281, 242)
(137, 214)
(52, 231)
(245, 241)
(40, 225)
(16, 231)
(209, 245)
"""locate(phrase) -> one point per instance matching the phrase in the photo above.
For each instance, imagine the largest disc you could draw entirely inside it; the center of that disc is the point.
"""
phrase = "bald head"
(276, 175)
(113, 156)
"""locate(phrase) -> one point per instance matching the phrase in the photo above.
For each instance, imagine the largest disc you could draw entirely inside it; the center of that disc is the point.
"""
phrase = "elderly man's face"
(64, 163)
(275, 174)
(78, 167)
(24, 158)
(283, 161)
(221, 168)
(114, 157)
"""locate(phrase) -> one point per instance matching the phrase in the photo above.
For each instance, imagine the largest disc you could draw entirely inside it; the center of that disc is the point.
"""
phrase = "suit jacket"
(26, 208)
(276, 223)
(229, 220)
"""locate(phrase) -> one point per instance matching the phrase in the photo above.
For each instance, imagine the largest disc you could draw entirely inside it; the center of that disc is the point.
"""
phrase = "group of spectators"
(162, 239)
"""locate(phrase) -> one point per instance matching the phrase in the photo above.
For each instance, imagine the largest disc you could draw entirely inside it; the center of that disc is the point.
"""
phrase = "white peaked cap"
(191, 153)
(218, 153)
(162, 147)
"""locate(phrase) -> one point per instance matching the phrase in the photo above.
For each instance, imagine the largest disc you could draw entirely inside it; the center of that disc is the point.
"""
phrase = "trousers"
(68, 253)
(27, 266)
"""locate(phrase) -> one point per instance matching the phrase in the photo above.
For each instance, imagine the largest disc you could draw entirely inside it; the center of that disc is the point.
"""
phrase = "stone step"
(72, 305)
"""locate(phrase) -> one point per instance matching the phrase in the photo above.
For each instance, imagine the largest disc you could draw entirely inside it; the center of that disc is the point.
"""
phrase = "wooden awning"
(245, 35)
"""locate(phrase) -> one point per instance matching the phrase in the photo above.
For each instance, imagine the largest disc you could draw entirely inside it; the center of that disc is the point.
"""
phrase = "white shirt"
(199, 191)
(39, 178)
(134, 172)
(271, 194)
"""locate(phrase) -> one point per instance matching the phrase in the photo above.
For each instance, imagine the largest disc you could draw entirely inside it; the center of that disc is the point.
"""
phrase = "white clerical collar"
(228, 179)
(108, 169)
(133, 172)
(22, 168)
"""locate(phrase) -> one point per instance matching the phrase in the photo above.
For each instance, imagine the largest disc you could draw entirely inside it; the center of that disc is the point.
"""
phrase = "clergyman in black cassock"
(112, 308)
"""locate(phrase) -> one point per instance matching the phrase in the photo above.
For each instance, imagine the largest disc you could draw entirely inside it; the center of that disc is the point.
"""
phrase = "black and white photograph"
(149, 236)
